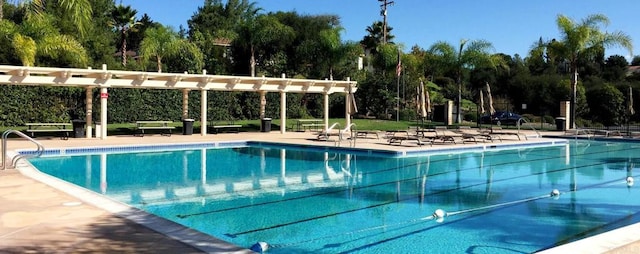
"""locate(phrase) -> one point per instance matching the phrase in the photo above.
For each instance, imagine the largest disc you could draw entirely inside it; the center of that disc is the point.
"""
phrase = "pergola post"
(263, 104)
(104, 94)
(326, 110)
(347, 106)
(203, 112)
(89, 111)
(185, 104)
(283, 112)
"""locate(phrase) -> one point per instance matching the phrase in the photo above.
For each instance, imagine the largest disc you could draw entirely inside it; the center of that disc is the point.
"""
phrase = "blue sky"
(512, 26)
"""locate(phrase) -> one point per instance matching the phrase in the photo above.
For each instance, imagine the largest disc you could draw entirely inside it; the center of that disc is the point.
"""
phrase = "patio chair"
(474, 134)
(397, 137)
(497, 130)
(341, 134)
(444, 135)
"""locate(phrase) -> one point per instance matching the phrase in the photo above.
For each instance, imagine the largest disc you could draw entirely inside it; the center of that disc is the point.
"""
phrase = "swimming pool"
(302, 199)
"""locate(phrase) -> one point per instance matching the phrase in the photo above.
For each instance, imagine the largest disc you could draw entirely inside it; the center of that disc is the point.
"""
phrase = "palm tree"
(375, 36)
(476, 54)
(124, 20)
(80, 10)
(332, 46)
(582, 38)
(163, 42)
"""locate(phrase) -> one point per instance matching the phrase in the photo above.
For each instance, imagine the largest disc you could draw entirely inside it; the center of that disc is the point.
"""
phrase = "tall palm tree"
(163, 42)
(582, 38)
(36, 37)
(80, 10)
(124, 20)
(476, 54)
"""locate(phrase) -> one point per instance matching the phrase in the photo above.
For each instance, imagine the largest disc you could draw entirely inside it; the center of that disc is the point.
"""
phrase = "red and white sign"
(104, 95)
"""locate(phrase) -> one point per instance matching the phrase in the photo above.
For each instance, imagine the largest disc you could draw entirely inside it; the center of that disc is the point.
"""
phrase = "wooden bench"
(230, 126)
(63, 128)
(163, 126)
(304, 124)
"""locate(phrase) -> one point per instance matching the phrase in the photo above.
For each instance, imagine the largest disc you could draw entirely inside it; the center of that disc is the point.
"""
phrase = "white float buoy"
(439, 213)
(630, 181)
(260, 247)
(555, 193)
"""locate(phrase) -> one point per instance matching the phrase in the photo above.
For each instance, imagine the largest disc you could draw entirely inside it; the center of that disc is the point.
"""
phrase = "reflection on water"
(295, 195)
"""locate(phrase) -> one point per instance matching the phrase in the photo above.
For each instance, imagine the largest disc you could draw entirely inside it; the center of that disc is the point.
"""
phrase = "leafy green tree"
(124, 21)
(472, 55)
(635, 61)
(615, 68)
(608, 105)
(582, 38)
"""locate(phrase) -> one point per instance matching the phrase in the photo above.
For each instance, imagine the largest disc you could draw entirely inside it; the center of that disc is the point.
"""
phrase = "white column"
(326, 110)
(104, 94)
(347, 112)
(203, 112)
(283, 112)
(348, 103)
(89, 111)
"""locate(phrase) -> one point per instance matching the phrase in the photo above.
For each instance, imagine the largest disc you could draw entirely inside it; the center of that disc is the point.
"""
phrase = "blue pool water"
(303, 200)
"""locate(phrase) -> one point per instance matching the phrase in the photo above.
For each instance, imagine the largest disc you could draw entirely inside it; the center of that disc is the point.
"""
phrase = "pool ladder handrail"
(521, 121)
(14, 160)
(353, 130)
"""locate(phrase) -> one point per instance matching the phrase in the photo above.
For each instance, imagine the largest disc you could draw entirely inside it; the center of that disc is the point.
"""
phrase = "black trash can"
(187, 126)
(561, 123)
(78, 128)
(265, 125)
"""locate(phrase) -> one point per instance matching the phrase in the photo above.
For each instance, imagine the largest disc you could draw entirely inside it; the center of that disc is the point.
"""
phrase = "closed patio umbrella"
(353, 108)
(423, 101)
(427, 101)
(482, 111)
(491, 109)
(631, 110)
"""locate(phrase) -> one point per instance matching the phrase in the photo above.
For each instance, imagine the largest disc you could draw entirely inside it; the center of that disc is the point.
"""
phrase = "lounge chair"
(341, 134)
(397, 137)
(474, 134)
(497, 130)
(444, 135)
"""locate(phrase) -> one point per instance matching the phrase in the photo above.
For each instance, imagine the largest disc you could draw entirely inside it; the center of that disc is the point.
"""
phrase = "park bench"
(162, 126)
(63, 128)
(219, 127)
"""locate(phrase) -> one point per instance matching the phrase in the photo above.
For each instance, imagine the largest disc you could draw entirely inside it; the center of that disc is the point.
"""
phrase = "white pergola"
(105, 79)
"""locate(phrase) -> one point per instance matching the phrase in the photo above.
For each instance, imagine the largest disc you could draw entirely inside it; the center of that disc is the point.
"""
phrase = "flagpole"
(398, 98)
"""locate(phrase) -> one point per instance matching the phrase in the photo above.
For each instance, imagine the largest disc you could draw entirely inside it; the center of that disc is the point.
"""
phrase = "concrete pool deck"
(38, 218)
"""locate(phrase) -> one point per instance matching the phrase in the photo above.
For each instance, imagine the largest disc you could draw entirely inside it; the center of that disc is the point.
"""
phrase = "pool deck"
(38, 218)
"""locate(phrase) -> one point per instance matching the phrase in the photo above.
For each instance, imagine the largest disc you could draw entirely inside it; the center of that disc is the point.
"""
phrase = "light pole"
(383, 12)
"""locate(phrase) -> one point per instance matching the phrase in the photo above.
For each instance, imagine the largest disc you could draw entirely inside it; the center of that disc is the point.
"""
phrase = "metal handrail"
(520, 122)
(14, 160)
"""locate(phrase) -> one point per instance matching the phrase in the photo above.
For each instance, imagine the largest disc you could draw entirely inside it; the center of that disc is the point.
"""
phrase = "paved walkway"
(36, 218)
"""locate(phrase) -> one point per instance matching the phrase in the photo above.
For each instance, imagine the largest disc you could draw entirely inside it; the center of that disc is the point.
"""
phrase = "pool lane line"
(512, 203)
(492, 154)
(413, 221)
(182, 216)
(233, 235)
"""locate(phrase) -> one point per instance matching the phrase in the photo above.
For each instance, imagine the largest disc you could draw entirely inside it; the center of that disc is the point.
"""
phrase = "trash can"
(187, 126)
(265, 125)
(78, 128)
(561, 123)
